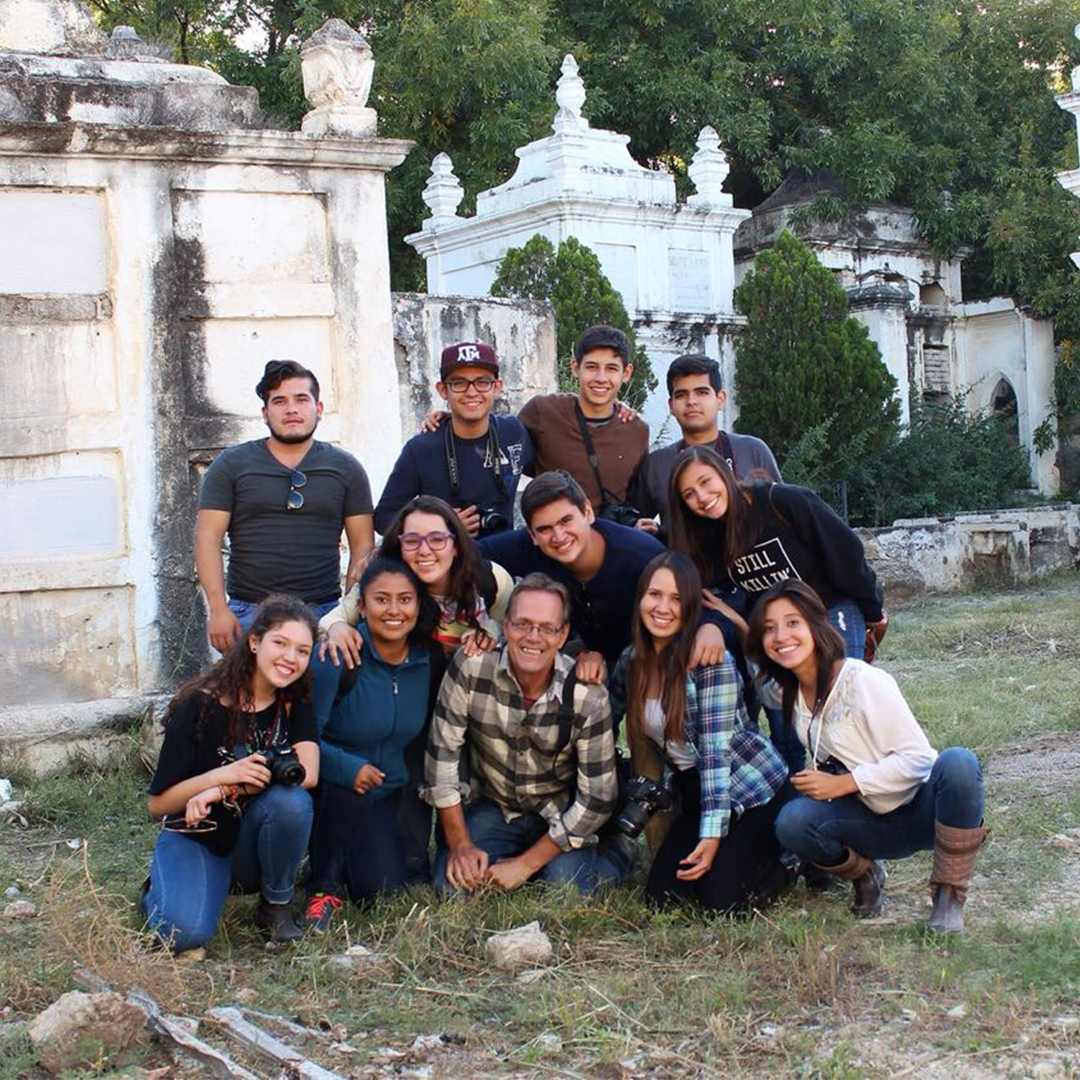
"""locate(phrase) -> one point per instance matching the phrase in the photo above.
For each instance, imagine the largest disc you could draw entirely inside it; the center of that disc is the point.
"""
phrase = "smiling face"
(562, 531)
(601, 373)
(431, 566)
(390, 607)
(787, 640)
(703, 490)
(291, 412)
(466, 400)
(661, 607)
(695, 404)
(535, 631)
(282, 654)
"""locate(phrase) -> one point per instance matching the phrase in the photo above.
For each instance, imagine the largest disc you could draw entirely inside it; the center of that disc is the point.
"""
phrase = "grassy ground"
(801, 991)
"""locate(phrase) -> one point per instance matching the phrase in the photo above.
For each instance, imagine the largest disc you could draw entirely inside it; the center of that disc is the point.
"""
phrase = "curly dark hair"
(231, 681)
(464, 584)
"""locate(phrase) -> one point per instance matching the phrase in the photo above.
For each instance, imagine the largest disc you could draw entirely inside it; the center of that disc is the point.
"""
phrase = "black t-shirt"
(803, 537)
(196, 741)
(422, 469)
(602, 608)
(275, 549)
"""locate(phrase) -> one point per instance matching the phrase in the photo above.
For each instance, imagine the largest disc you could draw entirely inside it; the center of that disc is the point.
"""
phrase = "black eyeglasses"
(295, 499)
(483, 384)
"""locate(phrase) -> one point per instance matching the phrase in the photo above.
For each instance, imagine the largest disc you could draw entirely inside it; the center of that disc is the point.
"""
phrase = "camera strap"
(590, 452)
(494, 452)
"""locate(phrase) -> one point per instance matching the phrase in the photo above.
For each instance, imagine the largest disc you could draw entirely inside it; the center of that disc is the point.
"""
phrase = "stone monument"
(160, 244)
(671, 263)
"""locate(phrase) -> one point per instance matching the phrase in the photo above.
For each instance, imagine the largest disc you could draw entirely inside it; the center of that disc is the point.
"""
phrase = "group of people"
(453, 717)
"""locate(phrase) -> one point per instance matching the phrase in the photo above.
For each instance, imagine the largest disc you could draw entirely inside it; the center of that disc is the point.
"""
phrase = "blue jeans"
(848, 621)
(189, 883)
(244, 610)
(586, 867)
(820, 831)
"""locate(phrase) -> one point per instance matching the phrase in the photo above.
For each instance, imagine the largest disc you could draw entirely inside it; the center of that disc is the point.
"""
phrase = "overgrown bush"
(947, 460)
(582, 296)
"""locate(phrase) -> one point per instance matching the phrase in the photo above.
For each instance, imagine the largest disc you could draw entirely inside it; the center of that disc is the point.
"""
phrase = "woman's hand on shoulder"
(590, 668)
(476, 642)
(708, 645)
(699, 862)
(343, 642)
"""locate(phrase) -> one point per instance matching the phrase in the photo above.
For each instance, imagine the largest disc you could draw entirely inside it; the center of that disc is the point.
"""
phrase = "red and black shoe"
(320, 911)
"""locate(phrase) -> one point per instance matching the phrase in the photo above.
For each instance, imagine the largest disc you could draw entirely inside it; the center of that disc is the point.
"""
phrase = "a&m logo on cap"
(468, 354)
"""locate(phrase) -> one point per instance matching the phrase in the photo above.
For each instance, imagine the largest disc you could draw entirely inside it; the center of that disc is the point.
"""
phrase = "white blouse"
(866, 724)
(680, 754)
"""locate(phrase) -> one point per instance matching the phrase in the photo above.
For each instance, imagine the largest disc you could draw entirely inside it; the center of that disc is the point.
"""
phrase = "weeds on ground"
(801, 990)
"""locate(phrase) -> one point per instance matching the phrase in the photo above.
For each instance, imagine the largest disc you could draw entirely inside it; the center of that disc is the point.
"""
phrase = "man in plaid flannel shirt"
(542, 772)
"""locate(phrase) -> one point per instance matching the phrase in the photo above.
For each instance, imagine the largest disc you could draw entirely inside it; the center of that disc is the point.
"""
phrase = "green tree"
(947, 460)
(582, 296)
(803, 362)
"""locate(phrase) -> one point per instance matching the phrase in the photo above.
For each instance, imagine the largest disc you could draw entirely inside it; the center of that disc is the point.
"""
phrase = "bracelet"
(229, 794)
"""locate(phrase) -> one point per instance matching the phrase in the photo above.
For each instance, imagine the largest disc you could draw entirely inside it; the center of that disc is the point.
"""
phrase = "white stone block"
(236, 351)
(66, 645)
(53, 241)
(253, 236)
(60, 506)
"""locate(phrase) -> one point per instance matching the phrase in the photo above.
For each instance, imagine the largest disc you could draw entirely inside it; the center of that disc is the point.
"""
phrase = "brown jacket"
(552, 424)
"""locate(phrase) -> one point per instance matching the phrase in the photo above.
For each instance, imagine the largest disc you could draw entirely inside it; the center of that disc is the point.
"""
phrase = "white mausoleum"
(934, 343)
(672, 264)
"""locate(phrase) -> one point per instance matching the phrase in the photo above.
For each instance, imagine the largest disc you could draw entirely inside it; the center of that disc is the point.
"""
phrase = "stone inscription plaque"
(688, 280)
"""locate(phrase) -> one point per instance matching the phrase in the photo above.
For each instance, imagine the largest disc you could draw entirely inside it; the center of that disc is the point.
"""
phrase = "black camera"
(492, 520)
(284, 765)
(644, 797)
(832, 766)
(621, 513)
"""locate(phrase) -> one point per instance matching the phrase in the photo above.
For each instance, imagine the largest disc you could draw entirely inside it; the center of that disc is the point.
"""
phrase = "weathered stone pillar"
(160, 245)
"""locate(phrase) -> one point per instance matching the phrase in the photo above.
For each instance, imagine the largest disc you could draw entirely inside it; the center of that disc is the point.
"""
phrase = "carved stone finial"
(708, 171)
(569, 96)
(125, 44)
(337, 64)
(443, 193)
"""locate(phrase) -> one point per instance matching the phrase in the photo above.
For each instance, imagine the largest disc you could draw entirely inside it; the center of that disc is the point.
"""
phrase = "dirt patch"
(1045, 767)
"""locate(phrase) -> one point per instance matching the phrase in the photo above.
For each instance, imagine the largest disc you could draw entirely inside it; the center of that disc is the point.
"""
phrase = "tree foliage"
(804, 364)
(946, 461)
(579, 291)
(903, 99)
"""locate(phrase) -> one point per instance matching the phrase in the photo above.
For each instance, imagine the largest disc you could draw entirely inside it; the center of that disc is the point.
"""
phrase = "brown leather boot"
(955, 851)
(868, 877)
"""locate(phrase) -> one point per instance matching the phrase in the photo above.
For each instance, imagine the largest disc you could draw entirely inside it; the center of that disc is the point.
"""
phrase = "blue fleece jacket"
(376, 720)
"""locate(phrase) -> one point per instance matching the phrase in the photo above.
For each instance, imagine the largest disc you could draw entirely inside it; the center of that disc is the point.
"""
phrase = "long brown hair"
(231, 681)
(713, 545)
(464, 577)
(668, 665)
(828, 644)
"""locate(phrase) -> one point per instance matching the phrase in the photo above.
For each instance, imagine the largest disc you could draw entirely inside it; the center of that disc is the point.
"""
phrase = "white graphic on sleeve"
(763, 567)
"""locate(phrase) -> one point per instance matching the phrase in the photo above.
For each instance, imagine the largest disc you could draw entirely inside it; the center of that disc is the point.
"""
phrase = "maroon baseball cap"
(468, 354)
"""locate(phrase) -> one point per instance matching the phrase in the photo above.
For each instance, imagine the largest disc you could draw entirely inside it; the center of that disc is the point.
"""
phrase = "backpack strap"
(566, 713)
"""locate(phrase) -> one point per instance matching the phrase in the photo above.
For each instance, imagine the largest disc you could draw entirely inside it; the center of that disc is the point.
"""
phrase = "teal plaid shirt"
(739, 766)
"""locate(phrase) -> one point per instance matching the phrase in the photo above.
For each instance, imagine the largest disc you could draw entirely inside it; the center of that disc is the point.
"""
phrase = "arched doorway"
(1003, 405)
